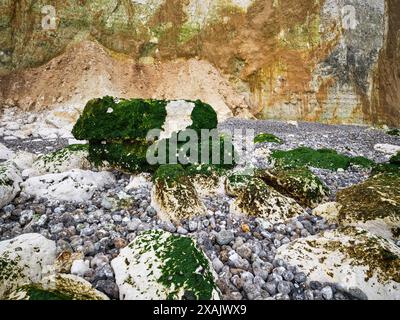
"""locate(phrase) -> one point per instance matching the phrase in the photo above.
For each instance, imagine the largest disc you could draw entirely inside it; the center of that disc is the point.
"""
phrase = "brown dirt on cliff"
(87, 70)
(386, 102)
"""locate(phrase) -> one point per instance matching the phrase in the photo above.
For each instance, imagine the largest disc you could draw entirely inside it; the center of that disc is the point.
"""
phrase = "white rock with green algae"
(256, 199)
(350, 257)
(176, 200)
(10, 179)
(158, 265)
(24, 260)
(69, 158)
(58, 287)
(75, 185)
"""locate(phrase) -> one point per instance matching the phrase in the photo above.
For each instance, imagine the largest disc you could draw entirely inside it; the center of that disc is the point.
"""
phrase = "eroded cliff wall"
(320, 60)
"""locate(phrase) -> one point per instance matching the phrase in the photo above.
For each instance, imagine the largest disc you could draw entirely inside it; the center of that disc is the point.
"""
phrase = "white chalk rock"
(10, 179)
(24, 160)
(69, 158)
(139, 181)
(58, 287)
(351, 257)
(75, 185)
(24, 260)
(158, 265)
(5, 153)
(388, 149)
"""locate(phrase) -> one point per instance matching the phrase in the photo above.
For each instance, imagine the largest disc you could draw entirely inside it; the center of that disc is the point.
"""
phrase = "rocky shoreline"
(244, 252)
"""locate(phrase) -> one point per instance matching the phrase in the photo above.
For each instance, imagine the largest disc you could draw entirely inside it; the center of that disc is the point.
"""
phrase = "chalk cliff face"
(323, 60)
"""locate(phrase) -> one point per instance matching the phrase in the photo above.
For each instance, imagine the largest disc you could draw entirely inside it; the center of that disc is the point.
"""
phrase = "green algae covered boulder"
(158, 265)
(255, 198)
(112, 119)
(373, 205)
(119, 136)
(298, 183)
(174, 195)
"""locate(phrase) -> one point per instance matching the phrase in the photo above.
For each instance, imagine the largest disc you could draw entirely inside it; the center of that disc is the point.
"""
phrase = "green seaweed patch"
(169, 173)
(127, 157)
(61, 155)
(322, 158)
(395, 160)
(393, 132)
(267, 137)
(38, 293)
(106, 118)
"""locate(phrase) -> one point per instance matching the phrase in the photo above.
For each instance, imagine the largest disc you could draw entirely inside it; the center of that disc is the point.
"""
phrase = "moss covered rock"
(395, 160)
(71, 157)
(111, 119)
(58, 287)
(158, 265)
(256, 199)
(298, 183)
(373, 205)
(363, 264)
(322, 158)
(267, 137)
(174, 196)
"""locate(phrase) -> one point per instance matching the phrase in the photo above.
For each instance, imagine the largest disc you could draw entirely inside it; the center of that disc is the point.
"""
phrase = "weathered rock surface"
(373, 205)
(67, 159)
(255, 198)
(174, 196)
(300, 184)
(351, 257)
(158, 265)
(24, 260)
(58, 287)
(75, 185)
(327, 60)
(10, 179)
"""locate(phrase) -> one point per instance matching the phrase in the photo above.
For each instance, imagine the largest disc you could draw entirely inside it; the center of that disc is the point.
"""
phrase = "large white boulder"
(10, 179)
(350, 257)
(24, 260)
(75, 185)
(158, 265)
(388, 149)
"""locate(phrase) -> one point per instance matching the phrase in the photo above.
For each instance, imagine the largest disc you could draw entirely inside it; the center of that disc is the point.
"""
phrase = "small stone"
(300, 277)
(327, 293)
(106, 204)
(108, 287)
(182, 231)
(244, 251)
(87, 232)
(192, 226)
(120, 243)
(245, 228)
(284, 287)
(217, 265)
(271, 288)
(133, 224)
(224, 237)
(80, 267)
(168, 226)
(57, 228)
(288, 276)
